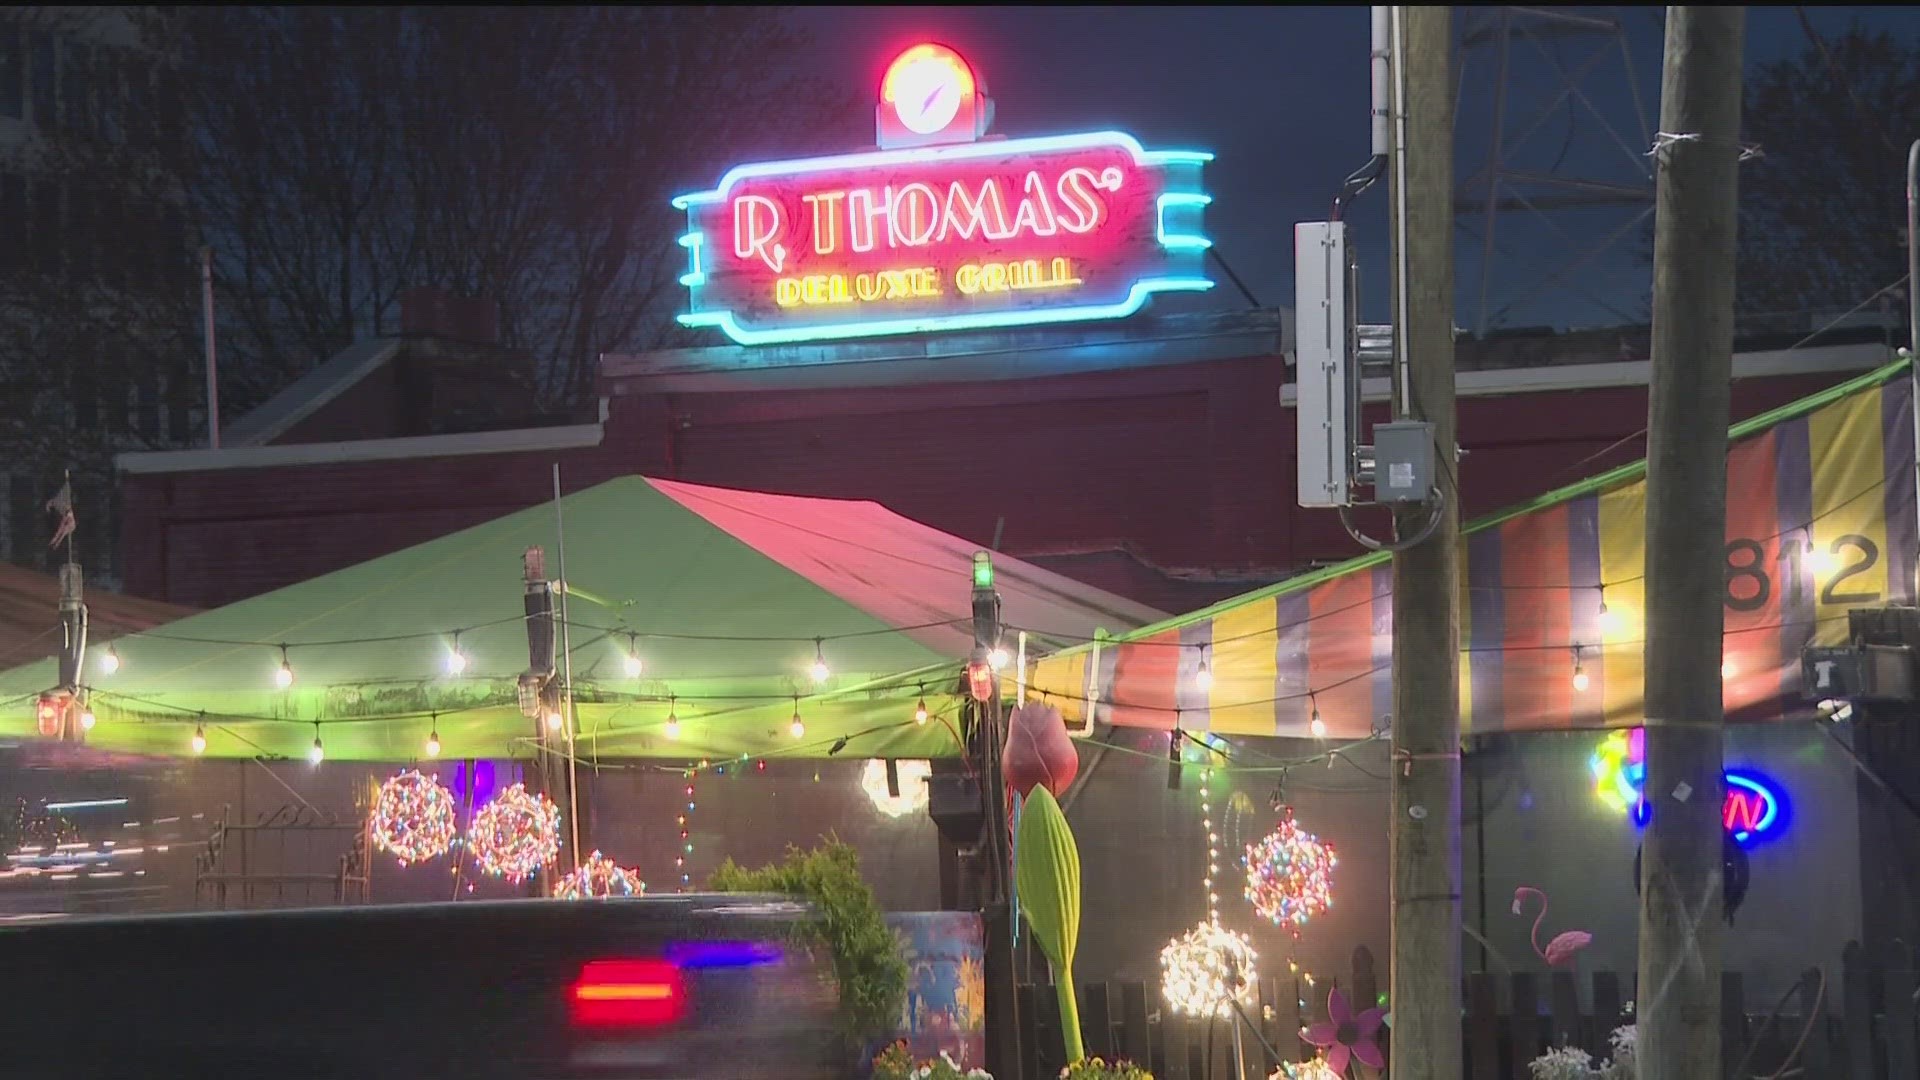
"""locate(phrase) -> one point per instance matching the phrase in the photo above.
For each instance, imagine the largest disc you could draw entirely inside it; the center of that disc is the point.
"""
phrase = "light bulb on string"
(1821, 563)
(1609, 621)
(819, 669)
(87, 719)
(998, 659)
(199, 742)
(1580, 680)
(797, 729)
(1316, 725)
(680, 860)
(673, 720)
(630, 662)
(1213, 851)
(1203, 675)
(554, 720)
(433, 738)
(920, 711)
(110, 662)
(456, 660)
(283, 675)
(316, 753)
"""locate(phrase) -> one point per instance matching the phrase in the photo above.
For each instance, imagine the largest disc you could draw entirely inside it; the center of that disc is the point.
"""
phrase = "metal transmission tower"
(1564, 122)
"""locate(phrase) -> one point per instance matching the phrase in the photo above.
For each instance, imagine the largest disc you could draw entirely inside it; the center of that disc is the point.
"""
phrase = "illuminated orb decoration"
(413, 817)
(597, 878)
(516, 834)
(912, 775)
(1290, 875)
(1205, 970)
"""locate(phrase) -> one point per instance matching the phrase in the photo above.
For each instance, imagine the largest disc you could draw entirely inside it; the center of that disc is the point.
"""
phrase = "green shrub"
(869, 968)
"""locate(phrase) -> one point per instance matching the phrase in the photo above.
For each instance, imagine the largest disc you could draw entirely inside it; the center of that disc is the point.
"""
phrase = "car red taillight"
(627, 994)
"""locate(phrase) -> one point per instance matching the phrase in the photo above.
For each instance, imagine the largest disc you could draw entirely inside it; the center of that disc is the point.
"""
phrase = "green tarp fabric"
(722, 595)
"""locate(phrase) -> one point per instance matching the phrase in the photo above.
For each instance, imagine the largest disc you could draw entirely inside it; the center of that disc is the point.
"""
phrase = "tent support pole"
(566, 667)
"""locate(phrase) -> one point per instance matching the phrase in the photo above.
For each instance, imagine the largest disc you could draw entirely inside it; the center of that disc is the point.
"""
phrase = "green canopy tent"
(726, 597)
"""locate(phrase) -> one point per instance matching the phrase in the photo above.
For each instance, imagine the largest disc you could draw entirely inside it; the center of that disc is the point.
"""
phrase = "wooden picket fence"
(1861, 1025)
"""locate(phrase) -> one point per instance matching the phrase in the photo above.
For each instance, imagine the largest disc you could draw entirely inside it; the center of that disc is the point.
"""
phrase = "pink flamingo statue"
(1561, 949)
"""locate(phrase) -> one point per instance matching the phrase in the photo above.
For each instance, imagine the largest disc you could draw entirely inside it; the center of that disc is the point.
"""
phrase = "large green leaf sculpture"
(1046, 870)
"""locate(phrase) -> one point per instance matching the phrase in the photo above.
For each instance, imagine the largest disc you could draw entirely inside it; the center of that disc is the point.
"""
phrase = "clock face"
(926, 94)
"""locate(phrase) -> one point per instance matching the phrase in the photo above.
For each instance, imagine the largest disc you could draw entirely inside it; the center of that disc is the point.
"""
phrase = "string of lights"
(1207, 970)
(1816, 559)
(595, 694)
(458, 659)
(607, 631)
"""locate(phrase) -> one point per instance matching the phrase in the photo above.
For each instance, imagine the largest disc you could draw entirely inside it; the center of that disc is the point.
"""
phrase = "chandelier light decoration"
(413, 817)
(516, 834)
(1290, 875)
(598, 878)
(1204, 971)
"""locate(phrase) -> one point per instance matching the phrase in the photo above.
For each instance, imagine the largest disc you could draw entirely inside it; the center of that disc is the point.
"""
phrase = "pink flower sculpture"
(1343, 1035)
(1039, 750)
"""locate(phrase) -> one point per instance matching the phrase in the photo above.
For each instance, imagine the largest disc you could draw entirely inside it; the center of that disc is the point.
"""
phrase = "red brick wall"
(1189, 465)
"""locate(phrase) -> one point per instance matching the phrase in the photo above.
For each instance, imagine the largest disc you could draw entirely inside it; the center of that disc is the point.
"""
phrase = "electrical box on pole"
(1334, 353)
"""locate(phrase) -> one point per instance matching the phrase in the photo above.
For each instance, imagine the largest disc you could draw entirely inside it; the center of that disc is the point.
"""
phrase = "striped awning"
(1820, 519)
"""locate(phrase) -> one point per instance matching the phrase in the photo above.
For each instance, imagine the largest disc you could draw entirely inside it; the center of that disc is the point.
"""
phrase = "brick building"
(1152, 457)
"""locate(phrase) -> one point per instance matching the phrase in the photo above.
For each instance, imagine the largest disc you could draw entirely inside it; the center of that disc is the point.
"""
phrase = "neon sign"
(937, 232)
(1754, 808)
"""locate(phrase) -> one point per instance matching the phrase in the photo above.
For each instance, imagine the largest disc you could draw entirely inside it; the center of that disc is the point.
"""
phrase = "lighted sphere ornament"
(1039, 750)
(598, 878)
(1290, 875)
(1204, 971)
(413, 817)
(516, 834)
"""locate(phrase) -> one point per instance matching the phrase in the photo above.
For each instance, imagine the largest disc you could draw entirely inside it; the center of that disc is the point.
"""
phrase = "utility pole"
(1425, 826)
(983, 684)
(1698, 155)
(1913, 318)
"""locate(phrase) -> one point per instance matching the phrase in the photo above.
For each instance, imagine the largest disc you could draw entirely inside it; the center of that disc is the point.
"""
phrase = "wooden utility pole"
(1426, 617)
(1698, 156)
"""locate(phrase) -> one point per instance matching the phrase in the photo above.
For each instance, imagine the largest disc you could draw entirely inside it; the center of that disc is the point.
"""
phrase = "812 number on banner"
(1750, 576)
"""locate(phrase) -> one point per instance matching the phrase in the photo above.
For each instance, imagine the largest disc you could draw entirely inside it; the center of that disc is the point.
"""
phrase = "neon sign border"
(1771, 819)
(920, 154)
(1142, 290)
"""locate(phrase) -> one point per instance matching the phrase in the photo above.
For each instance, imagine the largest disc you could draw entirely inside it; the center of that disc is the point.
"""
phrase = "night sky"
(1280, 95)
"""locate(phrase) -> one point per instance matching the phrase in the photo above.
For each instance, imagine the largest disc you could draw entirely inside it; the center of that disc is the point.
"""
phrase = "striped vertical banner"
(1754, 590)
(1486, 633)
(1623, 591)
(1587, 706)
(1244, 664)
(1292, 683)
(1340, 653)
(1898, 505)
(1382, 639)
(1793, 499)
(1191, 698)
(1540, 657)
